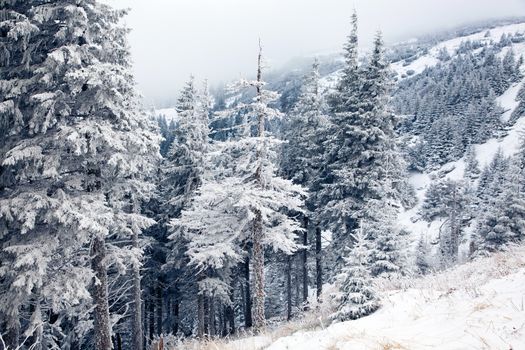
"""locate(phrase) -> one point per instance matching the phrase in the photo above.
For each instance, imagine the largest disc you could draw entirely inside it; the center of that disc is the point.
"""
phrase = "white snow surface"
(474, 306)
(508, 101)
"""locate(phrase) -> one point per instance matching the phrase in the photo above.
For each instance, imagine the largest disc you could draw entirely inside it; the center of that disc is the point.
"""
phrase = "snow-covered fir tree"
(423, 258)
(472, 169)
(75, 154)
(385, 238)
(446, 200)
(241, 199)
(356, 297)
(184, 165)
(304, 130)
(363, 160)
(182, 175)
(338, 205)
(502, 218)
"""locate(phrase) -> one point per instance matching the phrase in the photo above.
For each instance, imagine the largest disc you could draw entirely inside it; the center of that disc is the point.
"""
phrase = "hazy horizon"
(217, 40)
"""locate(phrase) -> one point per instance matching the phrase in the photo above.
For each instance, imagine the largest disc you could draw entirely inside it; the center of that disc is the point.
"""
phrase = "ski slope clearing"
(478, 305)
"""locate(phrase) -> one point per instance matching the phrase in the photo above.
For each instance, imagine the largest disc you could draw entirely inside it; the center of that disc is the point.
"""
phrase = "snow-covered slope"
(475, 306)
(485, 152)
(431, 59)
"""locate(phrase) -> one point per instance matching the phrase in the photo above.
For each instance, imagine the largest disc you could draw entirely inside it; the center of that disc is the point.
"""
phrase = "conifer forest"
(372, 197)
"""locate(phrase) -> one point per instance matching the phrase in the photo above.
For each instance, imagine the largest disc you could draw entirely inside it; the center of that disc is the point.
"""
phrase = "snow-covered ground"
(475, 306)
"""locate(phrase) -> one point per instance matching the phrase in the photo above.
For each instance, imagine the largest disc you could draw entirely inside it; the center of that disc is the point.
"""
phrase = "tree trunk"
(247, 295)
(102, 327)
(318, 263)
(151, 314)
(168, 319)
(145, 322)
(206, 307)
(176, 306)
(38, 335)
(200, 315)
(158, 306)
(454, 226)
(230, 311)
(223, 320)
(211, 317)
(258, 274)
(288, 287)
(119, 341)
(137, 331)
(305, 263)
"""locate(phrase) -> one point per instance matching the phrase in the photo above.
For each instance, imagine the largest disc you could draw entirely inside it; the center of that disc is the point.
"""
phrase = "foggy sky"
(217, 39)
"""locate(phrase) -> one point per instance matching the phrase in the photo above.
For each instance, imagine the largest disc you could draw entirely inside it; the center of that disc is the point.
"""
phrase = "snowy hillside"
(451, 46)
(478, 305)
(416, 66)
(509, 144)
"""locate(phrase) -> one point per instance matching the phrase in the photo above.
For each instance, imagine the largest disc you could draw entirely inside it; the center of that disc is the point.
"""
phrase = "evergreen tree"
(76, 150)
(491, 178)
(185, 160)
(446, 200)
(356, 297)
(304, 130)
(503, 217)
(363, 159)
(385, 240)
(182, 175)
(241, 200)
(472, 170)
(336, 195)
(423, 263)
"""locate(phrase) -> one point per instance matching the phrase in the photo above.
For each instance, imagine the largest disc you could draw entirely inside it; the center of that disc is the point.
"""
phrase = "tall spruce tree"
(363, 159)
(241, 201)
(75, 144)
(304, 131)
(335, 195)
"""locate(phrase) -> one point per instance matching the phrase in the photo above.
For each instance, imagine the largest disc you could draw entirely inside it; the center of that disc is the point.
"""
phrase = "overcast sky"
(217, 39)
